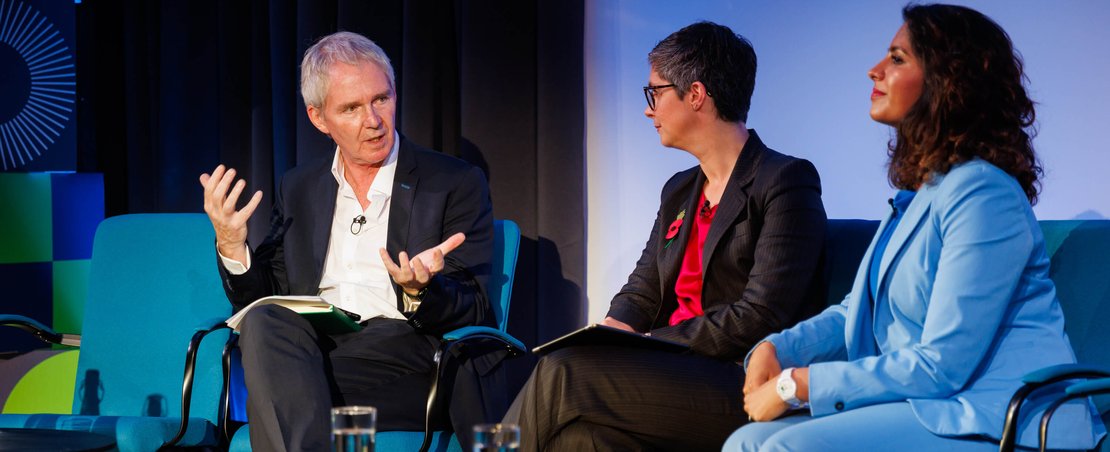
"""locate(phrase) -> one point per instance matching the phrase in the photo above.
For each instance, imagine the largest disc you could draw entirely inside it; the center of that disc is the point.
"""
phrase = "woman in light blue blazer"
(952, 303)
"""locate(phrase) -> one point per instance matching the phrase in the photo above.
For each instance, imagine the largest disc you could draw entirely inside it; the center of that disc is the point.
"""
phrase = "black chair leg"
(433, 393)
(1047, 416)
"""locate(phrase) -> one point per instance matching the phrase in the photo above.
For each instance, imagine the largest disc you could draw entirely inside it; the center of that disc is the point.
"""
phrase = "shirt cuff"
(411, 302)
(233, 266)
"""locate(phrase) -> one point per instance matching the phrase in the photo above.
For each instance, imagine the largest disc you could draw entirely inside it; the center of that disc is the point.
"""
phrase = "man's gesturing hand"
(415, 274)
(230, 224)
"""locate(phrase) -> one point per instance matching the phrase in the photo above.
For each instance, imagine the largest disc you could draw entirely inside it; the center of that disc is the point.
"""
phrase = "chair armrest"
(462, 337)
(43, 332)
(468, 333)
(1089, 387)
(190, 369)
(1071, 392)
(1038, 379)
(211, 324)
(1060, 372)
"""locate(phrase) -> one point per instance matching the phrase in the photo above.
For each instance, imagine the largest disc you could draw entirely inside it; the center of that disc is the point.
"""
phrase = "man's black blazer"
(434, 196)
(760, 263)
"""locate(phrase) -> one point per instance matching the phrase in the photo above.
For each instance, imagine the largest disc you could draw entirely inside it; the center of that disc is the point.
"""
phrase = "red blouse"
(687, 288)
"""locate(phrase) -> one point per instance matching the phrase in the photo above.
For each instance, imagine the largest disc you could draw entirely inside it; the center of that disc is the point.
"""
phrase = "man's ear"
(697, 95)
(316, 115)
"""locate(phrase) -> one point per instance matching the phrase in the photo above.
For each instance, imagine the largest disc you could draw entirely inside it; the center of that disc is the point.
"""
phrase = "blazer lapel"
(859, 337)
(684, 200)
(323, 213)
(911, 220)
(402, 199)
(735, 197)
(860, 323)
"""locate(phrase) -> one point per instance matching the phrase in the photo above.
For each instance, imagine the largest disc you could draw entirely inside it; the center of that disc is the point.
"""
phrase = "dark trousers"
(610, 398)
(295, 375)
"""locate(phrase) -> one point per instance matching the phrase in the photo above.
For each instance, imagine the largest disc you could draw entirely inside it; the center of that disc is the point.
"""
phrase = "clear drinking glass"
(353, 428)
(496, 438)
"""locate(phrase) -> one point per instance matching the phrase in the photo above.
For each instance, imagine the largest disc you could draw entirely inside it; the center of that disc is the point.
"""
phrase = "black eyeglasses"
(649, 93)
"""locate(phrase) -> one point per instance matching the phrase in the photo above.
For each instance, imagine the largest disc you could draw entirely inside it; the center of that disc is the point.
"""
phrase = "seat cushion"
(132, 433)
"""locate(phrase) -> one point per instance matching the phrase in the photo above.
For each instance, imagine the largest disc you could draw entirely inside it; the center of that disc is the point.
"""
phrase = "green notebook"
(323, 316)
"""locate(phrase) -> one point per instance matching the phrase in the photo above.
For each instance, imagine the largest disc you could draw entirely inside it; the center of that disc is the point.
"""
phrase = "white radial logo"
(37, 84)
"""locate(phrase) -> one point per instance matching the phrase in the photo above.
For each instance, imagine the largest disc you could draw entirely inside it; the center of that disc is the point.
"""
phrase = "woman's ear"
(696, 95)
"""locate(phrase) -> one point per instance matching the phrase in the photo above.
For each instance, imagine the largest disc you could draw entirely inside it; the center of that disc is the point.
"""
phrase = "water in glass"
(352, 440)
(496, 438)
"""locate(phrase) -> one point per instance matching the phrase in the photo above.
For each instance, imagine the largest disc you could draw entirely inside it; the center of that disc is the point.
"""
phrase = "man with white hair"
(396, 233)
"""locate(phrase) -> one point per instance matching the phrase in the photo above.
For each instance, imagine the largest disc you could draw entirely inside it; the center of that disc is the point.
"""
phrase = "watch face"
(786, 388)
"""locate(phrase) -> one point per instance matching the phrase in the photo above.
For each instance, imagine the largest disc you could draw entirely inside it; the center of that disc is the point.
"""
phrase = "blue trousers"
(890, 426)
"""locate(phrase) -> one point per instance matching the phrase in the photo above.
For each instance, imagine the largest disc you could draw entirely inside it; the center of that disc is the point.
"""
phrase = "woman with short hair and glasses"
(952, 303)
(733, 256)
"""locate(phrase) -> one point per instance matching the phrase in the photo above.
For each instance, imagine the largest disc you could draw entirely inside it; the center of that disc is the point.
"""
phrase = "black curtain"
(169, 89)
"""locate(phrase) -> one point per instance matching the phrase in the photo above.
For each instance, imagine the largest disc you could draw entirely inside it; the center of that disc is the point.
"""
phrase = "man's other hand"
(230, 224)
(413, 275)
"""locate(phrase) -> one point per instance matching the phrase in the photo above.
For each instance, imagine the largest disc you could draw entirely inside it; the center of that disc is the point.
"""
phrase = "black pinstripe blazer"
(761, 259)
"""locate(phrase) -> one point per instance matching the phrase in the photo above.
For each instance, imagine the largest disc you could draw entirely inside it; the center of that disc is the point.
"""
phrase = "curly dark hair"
(714, 55)
(973, 102)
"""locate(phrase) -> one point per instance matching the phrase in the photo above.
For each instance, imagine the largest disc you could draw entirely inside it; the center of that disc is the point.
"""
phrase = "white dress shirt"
(355, 278)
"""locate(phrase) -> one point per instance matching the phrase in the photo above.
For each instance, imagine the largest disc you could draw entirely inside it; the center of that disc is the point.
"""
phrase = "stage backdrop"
(37, 86)
(46, 239)
(811, 100)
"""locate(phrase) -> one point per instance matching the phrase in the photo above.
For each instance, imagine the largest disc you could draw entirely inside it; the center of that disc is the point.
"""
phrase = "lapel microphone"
(356, 224)
(705, 209)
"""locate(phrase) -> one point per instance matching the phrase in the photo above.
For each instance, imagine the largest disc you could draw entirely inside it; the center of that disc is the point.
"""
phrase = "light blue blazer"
(965, 276)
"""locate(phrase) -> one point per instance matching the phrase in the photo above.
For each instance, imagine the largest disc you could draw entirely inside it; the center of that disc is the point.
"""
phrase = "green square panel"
(26, 234)
(71, 283)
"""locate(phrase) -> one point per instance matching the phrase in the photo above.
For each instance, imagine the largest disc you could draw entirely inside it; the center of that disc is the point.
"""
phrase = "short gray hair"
(346, 47)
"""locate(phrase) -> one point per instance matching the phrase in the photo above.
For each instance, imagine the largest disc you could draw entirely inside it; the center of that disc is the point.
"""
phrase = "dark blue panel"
(37, 124)
(78, 208)
(27, 290)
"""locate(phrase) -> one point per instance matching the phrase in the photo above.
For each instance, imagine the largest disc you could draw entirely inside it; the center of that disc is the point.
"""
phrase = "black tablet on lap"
(595, 334)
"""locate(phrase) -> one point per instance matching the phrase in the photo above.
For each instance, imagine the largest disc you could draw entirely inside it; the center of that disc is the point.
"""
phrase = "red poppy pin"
(673, 229)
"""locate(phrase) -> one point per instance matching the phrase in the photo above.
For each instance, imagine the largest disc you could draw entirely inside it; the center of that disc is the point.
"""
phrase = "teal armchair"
(1080, 252)
(153, 295)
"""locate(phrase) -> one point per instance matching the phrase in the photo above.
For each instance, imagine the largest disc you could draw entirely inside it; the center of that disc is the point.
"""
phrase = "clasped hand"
(413, 275)
(761, 400)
